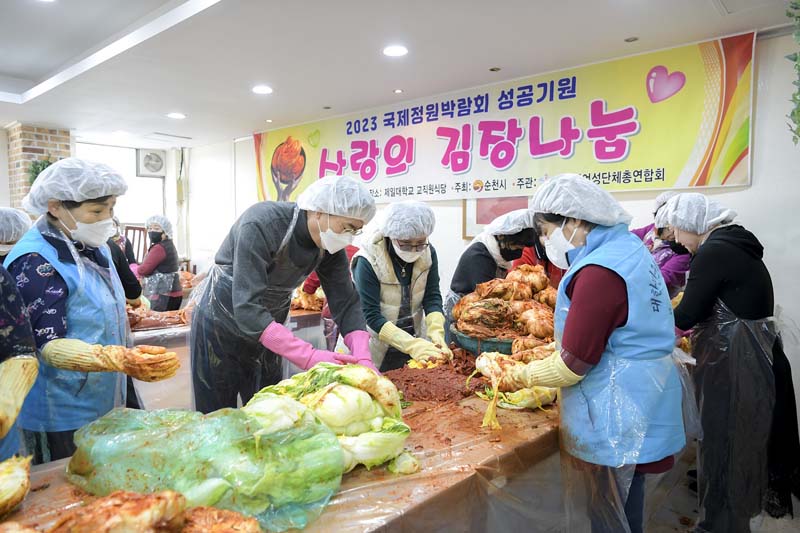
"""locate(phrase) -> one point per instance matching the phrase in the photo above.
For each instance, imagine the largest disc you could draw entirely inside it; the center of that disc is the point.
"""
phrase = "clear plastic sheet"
(471, 479)
(278, 463)
(691, 414)
(166, 337)
(176, 392)
(736, 396)
(226, 364)
(160, 284)
(595, 495)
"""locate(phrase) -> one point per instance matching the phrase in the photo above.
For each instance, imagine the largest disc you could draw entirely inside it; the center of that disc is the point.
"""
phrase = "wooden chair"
(137, 235)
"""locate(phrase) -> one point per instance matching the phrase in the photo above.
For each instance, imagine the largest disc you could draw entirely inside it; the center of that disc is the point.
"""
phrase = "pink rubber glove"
(358, 342)
(280, 340)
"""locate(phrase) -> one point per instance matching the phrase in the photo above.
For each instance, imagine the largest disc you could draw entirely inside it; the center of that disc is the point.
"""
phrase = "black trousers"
(46, 446)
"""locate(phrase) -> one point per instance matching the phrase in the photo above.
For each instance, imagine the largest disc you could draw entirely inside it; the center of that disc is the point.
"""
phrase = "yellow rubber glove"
(147, 363)
(74, 354)
(418, 349)
(145, 302)
(434, 323)
(514, 375)
(549, 372)
(17, 376)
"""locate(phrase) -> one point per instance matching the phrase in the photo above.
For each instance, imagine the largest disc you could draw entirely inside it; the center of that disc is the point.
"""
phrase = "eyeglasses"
(412, 247)
(352, 231)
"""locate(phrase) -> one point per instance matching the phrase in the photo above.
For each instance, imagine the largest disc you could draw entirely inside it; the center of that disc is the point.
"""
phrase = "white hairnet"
(73, 179)
(662, 199)
(162, 221)
(511, 223)
(338, 195)
(696, 213)
(573, 196)
(408, 220)
(13, 224)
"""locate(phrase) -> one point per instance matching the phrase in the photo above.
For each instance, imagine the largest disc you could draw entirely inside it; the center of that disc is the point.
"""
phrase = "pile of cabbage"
(279, 459)
(360, 407)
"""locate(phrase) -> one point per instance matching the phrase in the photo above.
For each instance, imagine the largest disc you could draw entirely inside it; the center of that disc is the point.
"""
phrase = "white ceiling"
(39, 37)
(320, 53)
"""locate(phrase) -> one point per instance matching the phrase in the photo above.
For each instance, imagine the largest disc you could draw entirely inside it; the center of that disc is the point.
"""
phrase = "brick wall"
(28, 143)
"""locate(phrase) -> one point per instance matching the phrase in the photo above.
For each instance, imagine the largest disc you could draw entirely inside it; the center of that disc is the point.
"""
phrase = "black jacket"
(129, 282)
(729, 267)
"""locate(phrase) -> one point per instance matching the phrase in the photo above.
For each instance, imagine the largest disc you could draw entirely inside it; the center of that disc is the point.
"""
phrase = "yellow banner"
(675, 118)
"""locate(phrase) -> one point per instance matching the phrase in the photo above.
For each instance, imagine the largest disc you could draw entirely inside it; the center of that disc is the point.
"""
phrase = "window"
(145, 196)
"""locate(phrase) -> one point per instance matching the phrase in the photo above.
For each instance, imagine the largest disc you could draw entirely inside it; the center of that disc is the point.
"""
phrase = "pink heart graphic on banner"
(662, 85)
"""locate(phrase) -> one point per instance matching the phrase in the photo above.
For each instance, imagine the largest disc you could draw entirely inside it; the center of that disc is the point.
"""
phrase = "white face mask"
(407, 257)
(557, 246)
(95, 234)
(331, 241)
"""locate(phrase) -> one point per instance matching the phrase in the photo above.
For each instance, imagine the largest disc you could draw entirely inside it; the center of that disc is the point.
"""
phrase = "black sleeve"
(129, 282)
(432, 302)
(475, 266)
(252, 255)
(369, 290)
(129, 255)
(706, 277)
(343, 300)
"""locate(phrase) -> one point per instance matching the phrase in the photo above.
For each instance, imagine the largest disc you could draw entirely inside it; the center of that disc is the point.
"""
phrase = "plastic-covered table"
(471, 479)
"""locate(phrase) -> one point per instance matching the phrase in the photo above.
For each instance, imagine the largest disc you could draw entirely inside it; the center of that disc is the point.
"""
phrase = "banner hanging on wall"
(675, 118)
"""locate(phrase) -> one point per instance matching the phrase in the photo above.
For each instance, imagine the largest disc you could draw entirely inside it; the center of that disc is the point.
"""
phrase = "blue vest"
(63, 400)
(9, 445)
(627, 409)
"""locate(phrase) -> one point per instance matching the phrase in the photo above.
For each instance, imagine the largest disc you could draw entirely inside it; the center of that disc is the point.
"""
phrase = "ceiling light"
(398, 91)
(494, 69)
(176, 116)
(262, 89)
(395, 50)
(47, 1)
(269, 120)
(631, 39)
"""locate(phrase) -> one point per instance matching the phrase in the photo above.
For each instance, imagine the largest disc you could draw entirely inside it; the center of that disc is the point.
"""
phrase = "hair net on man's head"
(162, 221)
(511, 223)
(408, 220)
(73, 179)
(573, 196)
(338, 195)
(13, 224)
(696, 213)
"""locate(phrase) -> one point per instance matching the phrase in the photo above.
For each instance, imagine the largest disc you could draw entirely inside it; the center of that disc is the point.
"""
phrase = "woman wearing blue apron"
(620, 397)
(64, 272)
